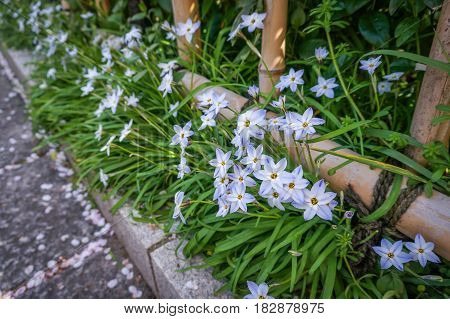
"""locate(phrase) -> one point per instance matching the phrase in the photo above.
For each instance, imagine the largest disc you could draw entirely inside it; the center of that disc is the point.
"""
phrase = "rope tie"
(386, 224)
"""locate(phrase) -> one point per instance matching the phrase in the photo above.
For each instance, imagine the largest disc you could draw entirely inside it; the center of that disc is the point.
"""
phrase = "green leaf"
(138, 16)
(330, 277)
(443, 108)
(394, 5)
(432, 3)
(406, 29)
(414, 57)
(374, 27)
(338, 132)
(440, 119)
(351, 6)
(388, 203)
(166, 5)
(307, 48)
(298, 17)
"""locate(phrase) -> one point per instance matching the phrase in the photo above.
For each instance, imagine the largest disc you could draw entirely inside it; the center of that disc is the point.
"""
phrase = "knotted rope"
(386, 224)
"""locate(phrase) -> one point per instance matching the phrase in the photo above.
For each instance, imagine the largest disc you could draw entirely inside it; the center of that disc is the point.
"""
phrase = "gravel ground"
(53, 242)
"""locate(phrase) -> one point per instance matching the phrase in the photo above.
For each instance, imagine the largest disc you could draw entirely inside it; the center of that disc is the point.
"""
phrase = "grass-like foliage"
(101, 92)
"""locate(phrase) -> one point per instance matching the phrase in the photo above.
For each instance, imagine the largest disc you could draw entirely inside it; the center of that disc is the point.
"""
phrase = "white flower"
(316, 202)
(252, 124)
(280, 103)
(296, 185)
(253, 91)
(62, 37)
(112, 99)
(173, 107)
(275, 198)
(218, 103)
(320, 53)
(325, 87)
(91, 74)
(206, 98)
(273, 176)
(99, 132)
(86, 15)
(167, 67)
(258, 292)
(129, 73)
(51, 73)
(253, 21)
(222, 163)
(393, 76)
(182, 134)
(170, 29)
(107, 146)
(166, 84)
(276, 123)
(422, 251)
(384, 87)
(241, 176)
(254, 157)
(187, 29)
(106, 54)
(370, 64)
(72, 52)
(234, 32)
(178, 202)
(304, 124)
(88, 88)
(103, 178)
(221, 185)
(207, 120)
(127, 53)
(125, 131)
(183, 168)
(291, 80)
(133, 37)
(391, 254)
(224, 208)
(239, 198)
(132, 100)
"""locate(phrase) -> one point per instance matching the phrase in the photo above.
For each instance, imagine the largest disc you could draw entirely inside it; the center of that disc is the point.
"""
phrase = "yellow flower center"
(275, 195)
(274, 176)
(239, 196)
(247, 123)
(261, 297)
(305, 124)
(390, 255)
(241, 179)
(314, 201)
(222, 163)
(421, 251)
(291, 185)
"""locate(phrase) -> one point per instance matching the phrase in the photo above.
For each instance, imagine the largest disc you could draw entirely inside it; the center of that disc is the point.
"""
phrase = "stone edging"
(152, 251)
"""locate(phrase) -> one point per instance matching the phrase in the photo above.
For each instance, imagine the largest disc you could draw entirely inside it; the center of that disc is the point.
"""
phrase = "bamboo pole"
(428, 216)
(273, 45)
(182, 11)
(435, 90)
(65, 5)
(103, 6)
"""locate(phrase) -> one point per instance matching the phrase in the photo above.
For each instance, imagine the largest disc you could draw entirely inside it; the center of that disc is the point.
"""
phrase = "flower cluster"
(186, 30)
(393, 255)
(278, 186)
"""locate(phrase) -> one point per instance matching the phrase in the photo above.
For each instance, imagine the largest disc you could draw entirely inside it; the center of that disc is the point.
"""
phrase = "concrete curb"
(152, 251)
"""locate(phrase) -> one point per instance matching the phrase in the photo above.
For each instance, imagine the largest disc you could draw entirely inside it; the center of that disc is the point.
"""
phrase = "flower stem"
(341, 79)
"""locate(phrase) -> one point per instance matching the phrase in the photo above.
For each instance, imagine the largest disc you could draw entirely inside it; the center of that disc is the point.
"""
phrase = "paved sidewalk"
(53, 242)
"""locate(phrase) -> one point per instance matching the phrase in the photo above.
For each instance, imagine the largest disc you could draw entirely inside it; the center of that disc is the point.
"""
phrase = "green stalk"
(341, 79)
